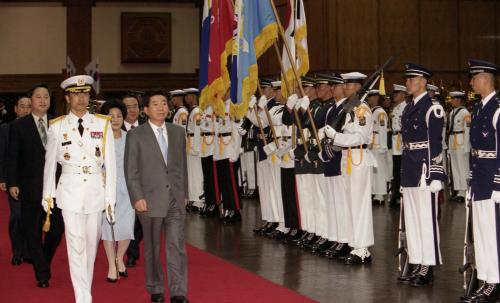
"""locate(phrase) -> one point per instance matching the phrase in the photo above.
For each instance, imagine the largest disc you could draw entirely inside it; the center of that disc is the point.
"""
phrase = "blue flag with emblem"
(257, 30)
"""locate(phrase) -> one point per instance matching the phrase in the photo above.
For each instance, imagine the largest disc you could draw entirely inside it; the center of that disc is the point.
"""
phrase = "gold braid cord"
(46, 224)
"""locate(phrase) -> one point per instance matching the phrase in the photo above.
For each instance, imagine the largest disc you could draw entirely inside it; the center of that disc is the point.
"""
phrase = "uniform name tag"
(66, 143)
(96, 135)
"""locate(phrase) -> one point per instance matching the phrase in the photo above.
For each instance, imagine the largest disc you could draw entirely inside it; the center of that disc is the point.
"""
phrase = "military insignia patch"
(67, 156)
(97, 151)
(96, 135)
(66, 143)
(65, 136)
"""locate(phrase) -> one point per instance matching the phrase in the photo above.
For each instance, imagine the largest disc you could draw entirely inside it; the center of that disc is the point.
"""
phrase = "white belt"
(416, 145)
(484, 154)
(83, 169)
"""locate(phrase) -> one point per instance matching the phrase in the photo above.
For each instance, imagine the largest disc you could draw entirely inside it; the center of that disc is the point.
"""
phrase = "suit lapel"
(151, 136)
(34, 131)
(170, 140)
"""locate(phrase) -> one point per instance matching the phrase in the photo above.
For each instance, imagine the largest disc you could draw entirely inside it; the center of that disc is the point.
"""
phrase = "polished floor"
(327, 280)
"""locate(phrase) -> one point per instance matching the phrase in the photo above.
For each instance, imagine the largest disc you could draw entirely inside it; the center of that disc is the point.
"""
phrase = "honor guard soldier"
(422, 174)
(248, 181)
(484, 186)
(458, 144)
(225, 157)
(354, 138)
(180, 115)
(193, 147)
(379, 147)
(399, 100)
(84, 146)
(207, 149)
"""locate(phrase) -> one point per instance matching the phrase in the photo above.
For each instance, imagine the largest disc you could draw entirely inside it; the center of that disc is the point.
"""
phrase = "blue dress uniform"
(484, 186)
(421, 175)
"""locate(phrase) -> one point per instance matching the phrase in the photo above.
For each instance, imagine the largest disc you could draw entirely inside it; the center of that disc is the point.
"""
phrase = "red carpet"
(211, 279)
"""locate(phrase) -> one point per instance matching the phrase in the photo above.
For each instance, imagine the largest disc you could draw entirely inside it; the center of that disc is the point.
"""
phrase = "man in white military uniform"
(458, 144)
(357, 166)
(193, 149)
(399, 99)
(181, 113)
(84, 146)
(379, 147)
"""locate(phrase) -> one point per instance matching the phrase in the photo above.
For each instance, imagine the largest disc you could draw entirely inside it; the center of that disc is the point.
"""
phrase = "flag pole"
(288, 90)
(289, 53)
(269, 120)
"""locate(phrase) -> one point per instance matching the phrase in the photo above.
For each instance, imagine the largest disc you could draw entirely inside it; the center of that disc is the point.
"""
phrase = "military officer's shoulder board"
(52, 121)
(436, 109)
(107, 117)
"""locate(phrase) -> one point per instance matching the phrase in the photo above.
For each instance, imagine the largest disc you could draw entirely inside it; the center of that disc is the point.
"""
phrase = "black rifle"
(353, 101)
(468, 270)
(402, 253)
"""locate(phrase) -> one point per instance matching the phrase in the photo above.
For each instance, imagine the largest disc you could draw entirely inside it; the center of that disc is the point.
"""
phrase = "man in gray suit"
(156, 175)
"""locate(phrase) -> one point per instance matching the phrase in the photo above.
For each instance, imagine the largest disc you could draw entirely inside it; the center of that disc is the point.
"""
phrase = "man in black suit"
(16, 234)
(26, 160)
(131, 101)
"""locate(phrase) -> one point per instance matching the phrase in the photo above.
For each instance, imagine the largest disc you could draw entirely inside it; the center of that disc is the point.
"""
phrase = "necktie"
(132, 126)
(80, 126)
(42, 131)
(163, 143)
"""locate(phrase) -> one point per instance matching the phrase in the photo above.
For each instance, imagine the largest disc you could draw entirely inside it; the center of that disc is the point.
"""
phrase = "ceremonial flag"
(92, 69)
(70, 68)
(204, 51)
(257, 30)
(220, 33)
(296, 37)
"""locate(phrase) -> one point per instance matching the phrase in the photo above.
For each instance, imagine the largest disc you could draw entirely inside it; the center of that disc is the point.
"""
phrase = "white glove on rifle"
(270, 148)
(321, 133)
(110, 213)
(330, 132)
(292, 101)
(252, 102)
(435, 186)
(263, 102)
(304, 103)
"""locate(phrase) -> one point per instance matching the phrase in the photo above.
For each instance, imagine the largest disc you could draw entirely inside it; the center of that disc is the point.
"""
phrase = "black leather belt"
(458, 132)
(223, 135)
(190, 135)
(356, 147)
(207, 134)
(396, 132)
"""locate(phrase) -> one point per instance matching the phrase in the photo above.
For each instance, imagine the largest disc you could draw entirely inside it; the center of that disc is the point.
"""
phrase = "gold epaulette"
(107, 117)
(361, 110)
(52, 121)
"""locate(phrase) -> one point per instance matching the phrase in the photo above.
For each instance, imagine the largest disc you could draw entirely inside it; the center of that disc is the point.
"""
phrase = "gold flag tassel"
(398, 141)
(221, 146)
(381, 87)
(455, 141)
(203, 146)
(273, 158)
(188, 145)
(46, 224)
(349, 161)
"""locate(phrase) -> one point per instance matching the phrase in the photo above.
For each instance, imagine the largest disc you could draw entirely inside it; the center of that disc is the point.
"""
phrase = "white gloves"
(292, 101)
(241, 131)
(330, 132)
(45, 205)
(321, 133)
(495, 196)
(110, 213)
(435, 186)
(270, 148)
(262, 102)
(304, 103)
(252, 102)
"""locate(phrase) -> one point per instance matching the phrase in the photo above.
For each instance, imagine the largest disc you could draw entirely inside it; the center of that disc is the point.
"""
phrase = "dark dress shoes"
(355, 260)
(261, 228)
(486, 294)
(16, 261)
(111, 280)
(42, 284)
(408, 278)
(423, 277)
(131, 262)
(123, 273)
(157, 298)
(179, 299)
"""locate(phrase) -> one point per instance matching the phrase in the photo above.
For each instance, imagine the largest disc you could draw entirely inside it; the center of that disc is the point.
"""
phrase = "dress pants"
(195, 180)
(396, 177)
(289, 195)
(305, 185)
(422, 229)
(248, 168)
(264, 175)
(172, 228)
(337, 209)
(485, 227)
(42, 251)
(210, 185)
(16, 230)
(83, 234)
(226, 177)
(133, 250)
(459, 170)
(320, 200)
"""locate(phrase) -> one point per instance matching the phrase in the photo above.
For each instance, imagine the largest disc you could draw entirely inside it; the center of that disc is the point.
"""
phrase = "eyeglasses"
(133, 106)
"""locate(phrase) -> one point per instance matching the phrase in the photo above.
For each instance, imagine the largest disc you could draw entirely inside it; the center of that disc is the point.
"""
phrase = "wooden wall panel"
(358, 34)
(397, 35)
(316, 33)
(439, 34)
(497, 33)
(331, 34)
(477, 30)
